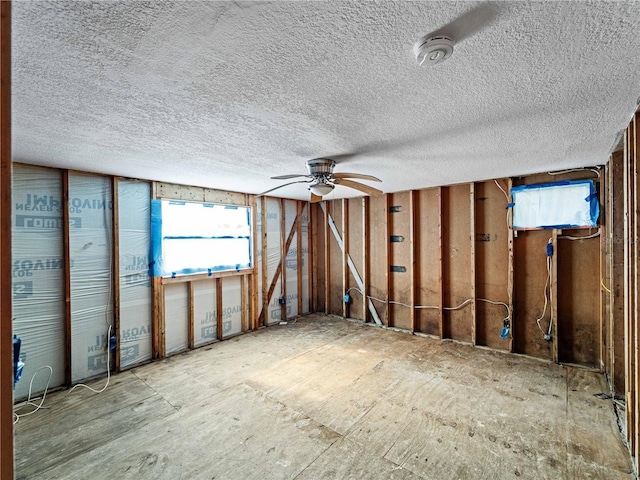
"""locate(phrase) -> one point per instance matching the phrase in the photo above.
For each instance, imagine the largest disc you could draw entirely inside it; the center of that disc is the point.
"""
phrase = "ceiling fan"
(322, 180)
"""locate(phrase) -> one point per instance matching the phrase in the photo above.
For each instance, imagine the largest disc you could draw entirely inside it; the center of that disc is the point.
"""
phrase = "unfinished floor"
(325, 398)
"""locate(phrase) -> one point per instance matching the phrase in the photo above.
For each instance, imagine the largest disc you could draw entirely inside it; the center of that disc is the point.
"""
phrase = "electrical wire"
(594, 170)
(546, 300)
(603, 285)
(467, 301)
(108, 371)
(106, 318)
(29, 399)
(569, 237)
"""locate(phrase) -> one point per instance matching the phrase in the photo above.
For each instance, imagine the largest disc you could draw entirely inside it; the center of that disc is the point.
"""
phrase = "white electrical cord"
(547, 300)
(106, 321)
(597, 172)
(108, 370)
(569, 237)
(467, 301)
(29, 399)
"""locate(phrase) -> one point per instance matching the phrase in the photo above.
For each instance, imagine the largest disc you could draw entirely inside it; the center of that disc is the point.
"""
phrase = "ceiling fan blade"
(356, 175)
(315, 198)
(286, 177)
(280, 186)
(358, 186)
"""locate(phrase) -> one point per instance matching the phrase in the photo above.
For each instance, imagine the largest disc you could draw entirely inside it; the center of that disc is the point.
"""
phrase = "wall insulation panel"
(134, 221)
(400, 269)
(291, 260)
(204, 312)
(428, 261)
(176, 317)
(231, 306)
(378, 243)
(274, 254)
(456, 245)
(492, 263)
(357, 255)
(38, 274)
(306, 306)
(578, 300)
(90, 251)
(257, 261)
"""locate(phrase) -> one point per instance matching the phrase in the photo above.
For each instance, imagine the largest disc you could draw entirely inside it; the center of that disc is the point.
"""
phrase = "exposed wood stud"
(244, 304)
(345, 253)
(604, 273)
(472, 263)
(263, 318)
(387, 254)
(115, 265)
(327, 263)
(352, 267)
(510, 274)
(413, 255)
(635, 141)
(67, 277)
(6, 291)
(219, 307)
(440, 268)
(553, 294)
(255, 308)
(299, 256)
(365, 256)
(283, 257)
(311, 260)
(158, 323)
(190, 315)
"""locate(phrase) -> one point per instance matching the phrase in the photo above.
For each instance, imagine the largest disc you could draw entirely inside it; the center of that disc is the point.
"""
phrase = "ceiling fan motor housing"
(431, 50)
(320, 167)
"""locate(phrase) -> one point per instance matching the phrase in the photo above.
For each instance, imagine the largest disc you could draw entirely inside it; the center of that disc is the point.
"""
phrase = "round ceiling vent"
(433, 49)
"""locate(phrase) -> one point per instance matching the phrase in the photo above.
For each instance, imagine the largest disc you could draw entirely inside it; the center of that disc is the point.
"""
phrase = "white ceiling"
(227, 94)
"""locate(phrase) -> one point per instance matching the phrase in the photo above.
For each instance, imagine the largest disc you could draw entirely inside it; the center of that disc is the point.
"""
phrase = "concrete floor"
(325, 398)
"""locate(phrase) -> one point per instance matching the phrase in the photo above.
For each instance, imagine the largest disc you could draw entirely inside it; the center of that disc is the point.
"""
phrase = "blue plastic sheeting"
(567, 204)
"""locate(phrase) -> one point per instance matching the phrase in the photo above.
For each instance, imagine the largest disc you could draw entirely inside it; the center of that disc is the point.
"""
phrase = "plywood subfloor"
(325, 398)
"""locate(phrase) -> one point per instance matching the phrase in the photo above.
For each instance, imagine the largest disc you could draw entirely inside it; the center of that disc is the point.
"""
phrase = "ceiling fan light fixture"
(321, 189)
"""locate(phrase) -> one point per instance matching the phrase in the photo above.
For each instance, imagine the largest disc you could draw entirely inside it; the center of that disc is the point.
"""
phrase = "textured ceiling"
(227, 94)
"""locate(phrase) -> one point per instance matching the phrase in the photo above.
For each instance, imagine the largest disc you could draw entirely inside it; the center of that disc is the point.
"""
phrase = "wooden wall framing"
(6, 348)
(445, 262)
(624, 290)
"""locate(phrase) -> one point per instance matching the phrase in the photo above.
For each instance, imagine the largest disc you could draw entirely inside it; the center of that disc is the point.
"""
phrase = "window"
(556, 205)
(191, 237)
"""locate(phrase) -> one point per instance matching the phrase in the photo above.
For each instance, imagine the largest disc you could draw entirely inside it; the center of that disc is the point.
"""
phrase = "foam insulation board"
(231, 306)
(90, 252)
(274, 252)
(257, 260)
(134, 219)
(176, 317)
(38, 275)
(291, 261)
(204, 312)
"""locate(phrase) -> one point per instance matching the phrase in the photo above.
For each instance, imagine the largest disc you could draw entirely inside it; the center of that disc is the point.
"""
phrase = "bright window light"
(201, 237)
